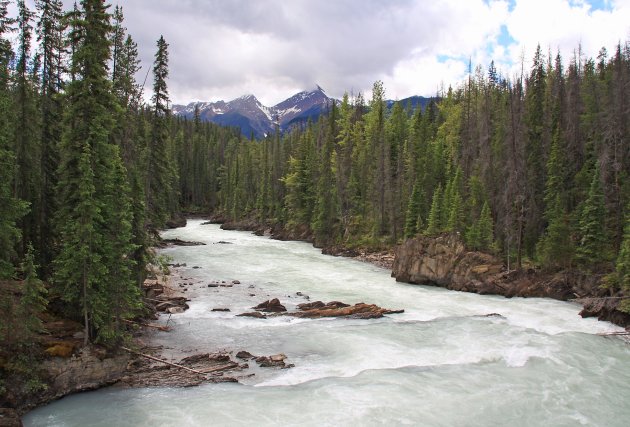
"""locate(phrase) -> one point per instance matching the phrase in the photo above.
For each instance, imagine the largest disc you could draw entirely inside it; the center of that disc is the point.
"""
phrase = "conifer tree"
(26, 179)
(300, 189)
(486, 228)
(33, 301)
(593, 246)
(325, 206)
(534, 150)
(555, 248)
(11, 208)
(94, 257)
(434, 225)
(50, 28)
(413, 220)
(159, 170)
(453, 205)
(375, 134)
(622, 265)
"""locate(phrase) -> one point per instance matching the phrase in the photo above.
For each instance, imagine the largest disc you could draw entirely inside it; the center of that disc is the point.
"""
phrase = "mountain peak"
(248, 113)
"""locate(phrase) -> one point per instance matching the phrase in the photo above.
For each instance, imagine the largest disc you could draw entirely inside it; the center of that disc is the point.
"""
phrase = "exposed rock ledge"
(88, 369)
(444, 261)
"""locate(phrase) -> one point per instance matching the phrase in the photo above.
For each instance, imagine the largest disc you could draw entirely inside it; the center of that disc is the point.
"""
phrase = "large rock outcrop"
(444, 261)
(91, 368)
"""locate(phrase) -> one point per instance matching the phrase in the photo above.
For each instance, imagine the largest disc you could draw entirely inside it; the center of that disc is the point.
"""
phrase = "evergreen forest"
(533, 168)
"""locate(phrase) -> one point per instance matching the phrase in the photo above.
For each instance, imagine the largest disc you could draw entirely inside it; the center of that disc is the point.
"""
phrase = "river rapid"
(440, 363)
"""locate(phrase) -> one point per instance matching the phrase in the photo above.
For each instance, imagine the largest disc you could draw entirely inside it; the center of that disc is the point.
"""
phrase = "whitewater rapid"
(440, 363)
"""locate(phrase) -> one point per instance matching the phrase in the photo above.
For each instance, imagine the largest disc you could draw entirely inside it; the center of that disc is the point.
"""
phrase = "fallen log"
(148, 325)
(194, 371)
(220, 368)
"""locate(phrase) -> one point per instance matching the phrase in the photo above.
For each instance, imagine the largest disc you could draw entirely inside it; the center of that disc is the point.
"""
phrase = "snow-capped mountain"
(253, 117)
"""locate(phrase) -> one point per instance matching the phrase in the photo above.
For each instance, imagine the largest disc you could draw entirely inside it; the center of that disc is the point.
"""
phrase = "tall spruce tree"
(325, 205)
(12, 209)
(26, 181)
(91, 270)
(622, 265)
(159, 170)
(593, 247)
(413, 219)
(50, 29)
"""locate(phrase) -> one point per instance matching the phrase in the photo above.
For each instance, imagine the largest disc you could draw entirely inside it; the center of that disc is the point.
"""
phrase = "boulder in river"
(273, 361)
(271, 306)
(256, 314)
(179, 242)
(361, 310)
(245, 355)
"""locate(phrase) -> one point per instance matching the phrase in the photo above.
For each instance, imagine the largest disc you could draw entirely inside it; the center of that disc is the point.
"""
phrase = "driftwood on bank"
(163, 361)
(148, 325)
(230, 365)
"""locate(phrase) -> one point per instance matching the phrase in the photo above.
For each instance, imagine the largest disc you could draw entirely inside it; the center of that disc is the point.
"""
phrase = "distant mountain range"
(252, 117)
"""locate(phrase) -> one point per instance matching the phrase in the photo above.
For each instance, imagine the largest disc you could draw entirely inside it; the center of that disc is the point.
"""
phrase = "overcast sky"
(221, 49)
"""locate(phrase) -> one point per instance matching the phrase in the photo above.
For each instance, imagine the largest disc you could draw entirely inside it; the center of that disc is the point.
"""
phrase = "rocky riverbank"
(445, 262)
(68, 368)
(383, 257)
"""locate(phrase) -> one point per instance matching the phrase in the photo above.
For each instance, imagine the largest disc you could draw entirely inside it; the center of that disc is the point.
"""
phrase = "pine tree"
(622, 265)
(555, 248)
(33, 301)
(50, 30)
(159, 173)
(26, 178)
(453, 205)
(300, 188)
(91, 269)
(593, 246)
(375, 134)
(325, 206)
(486, 228)
(534, 151)
(120, 287)
(434, 225)
(12, 209)
(413, 220)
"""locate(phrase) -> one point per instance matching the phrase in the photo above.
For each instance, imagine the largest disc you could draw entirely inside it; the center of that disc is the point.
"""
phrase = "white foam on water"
(441, 363)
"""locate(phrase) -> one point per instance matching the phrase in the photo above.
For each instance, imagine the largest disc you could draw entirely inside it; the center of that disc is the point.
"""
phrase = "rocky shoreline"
(444, 261)
(71, 369)
(441, 261)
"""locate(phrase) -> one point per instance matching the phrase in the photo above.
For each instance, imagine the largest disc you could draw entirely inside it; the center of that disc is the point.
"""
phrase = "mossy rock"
(62, 349)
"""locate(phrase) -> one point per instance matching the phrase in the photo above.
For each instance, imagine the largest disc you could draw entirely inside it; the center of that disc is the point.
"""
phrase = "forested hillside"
(89, 169)
(533, 168)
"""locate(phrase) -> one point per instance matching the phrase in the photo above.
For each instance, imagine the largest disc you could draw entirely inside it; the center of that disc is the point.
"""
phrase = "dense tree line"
(533, 168)
(88, 170)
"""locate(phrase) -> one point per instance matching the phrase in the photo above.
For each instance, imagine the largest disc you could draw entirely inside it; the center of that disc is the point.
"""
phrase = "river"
(440, 363)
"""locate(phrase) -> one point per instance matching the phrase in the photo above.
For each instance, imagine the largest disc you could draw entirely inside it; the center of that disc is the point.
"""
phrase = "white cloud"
(563, 25)
(221, 49)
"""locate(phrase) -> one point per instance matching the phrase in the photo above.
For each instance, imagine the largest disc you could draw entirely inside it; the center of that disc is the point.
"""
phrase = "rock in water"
(274, 361)
(245, 355)
(271, 306)
(255, 314)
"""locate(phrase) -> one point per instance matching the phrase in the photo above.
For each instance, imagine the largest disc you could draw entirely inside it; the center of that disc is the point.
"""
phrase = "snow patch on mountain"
(259, 119)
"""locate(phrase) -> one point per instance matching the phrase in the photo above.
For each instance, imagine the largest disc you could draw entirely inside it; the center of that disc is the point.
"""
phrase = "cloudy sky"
(221, 49)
